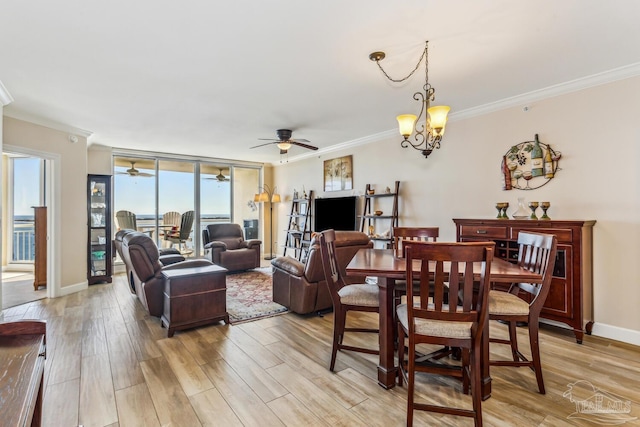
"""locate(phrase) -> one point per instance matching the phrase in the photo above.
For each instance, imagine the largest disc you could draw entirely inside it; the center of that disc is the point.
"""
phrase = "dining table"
(387, 268)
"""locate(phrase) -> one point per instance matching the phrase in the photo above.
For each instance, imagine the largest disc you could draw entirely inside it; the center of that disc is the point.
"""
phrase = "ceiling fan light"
(406, 123)
(285, 145)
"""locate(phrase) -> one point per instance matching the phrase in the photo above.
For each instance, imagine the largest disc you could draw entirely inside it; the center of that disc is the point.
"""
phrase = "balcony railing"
(24, 247)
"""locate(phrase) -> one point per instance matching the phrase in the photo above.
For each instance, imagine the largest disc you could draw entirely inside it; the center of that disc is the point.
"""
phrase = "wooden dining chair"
(450, 267)
(401, 236)
(537, 253)
(345, 298)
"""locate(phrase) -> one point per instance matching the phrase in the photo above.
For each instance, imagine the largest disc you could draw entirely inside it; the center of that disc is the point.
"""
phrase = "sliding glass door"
(163, 193)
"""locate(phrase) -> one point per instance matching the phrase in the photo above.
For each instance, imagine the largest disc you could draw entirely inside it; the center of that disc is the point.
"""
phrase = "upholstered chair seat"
(365, 294)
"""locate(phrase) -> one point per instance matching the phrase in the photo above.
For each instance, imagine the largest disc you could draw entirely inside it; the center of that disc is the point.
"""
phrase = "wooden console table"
(194, 296)
(570, 299)
(22, 354)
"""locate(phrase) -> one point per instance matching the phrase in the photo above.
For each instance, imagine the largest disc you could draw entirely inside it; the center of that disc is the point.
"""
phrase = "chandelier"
(427, 135)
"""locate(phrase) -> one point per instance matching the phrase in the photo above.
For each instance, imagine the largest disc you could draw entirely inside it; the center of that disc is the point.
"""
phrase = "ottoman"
(193, 297)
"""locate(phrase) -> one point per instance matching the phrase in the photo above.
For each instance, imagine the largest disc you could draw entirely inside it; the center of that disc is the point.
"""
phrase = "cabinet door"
(559, 302)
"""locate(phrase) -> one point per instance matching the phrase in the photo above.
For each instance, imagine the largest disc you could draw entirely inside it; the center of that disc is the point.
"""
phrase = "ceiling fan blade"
(268, 139)
(300, 144)
(144, 174)
(262, 145)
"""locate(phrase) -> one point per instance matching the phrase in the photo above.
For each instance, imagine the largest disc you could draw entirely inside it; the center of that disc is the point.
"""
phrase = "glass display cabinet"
(99, 235)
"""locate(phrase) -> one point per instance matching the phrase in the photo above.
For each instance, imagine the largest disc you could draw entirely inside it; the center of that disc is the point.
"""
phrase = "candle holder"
(533, 206)
(499, 207)
(545, 206)
(505, 206)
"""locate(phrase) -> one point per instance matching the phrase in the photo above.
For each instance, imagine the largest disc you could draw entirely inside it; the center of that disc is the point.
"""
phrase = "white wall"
(70, 195)
(597, 132)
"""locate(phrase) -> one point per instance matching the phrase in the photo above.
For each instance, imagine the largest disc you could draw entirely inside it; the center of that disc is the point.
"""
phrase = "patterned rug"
(249, 296)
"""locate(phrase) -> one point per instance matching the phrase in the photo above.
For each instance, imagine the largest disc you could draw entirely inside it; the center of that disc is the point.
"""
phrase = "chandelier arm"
(424, 55)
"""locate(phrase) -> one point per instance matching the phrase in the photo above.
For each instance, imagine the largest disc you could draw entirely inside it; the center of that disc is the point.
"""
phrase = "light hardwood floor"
(110, 364)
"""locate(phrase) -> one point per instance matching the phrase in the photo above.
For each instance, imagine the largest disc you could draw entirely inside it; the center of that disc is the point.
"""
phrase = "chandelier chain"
(424, 55)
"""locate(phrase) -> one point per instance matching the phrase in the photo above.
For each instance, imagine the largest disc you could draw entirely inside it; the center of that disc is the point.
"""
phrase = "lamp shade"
(406, 124)
(256, 198)
(438, 118)
(284, 145)
(263, 197)
(275, 198)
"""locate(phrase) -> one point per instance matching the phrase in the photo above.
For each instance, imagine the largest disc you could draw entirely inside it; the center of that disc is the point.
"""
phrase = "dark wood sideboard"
(570, 300)
(22, 354)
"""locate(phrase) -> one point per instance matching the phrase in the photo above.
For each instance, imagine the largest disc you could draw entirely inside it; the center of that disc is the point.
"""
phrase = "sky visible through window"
(26, 185)
(176, 193)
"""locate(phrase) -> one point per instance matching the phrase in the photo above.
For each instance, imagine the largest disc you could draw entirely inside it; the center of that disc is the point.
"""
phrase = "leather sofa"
(301, 287)
(142, 258)
(225, 246)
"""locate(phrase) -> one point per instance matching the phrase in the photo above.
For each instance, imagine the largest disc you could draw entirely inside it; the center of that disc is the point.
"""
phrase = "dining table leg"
(387, 371)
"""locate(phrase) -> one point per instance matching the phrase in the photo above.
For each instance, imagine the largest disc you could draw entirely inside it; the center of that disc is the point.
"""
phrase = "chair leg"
(401, 339)
(466, 364)
(514, 340)
(411, 378)
(535, 354)
(476, 389)
(339, 317)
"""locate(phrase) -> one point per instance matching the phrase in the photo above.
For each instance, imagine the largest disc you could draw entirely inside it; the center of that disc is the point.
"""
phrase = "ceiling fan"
(220, 177)
(134, 172)
(284, 141)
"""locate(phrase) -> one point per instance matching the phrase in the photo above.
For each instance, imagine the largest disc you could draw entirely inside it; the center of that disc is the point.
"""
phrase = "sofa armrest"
(289, 265)
(168, 251)
(216, 245)
(171, 259)
(190, 263)
(253, 243)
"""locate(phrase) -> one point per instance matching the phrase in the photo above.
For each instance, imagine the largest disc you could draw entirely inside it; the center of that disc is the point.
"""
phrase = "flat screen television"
(338, 213)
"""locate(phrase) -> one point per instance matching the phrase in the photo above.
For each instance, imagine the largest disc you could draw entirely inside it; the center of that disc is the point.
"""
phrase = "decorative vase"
(522, 212)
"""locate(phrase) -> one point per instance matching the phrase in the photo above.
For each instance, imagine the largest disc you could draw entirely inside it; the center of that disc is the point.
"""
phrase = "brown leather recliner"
(167, 255)
(142, 254)
(225, 246)
(302, 287)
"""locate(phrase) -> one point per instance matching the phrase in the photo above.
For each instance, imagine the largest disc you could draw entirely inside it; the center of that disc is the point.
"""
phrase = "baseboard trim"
(617, 333)
(72, 289)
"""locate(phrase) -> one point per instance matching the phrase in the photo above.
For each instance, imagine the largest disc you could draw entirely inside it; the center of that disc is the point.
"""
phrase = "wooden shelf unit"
(373, 202)
(299, 227)
(570, 300)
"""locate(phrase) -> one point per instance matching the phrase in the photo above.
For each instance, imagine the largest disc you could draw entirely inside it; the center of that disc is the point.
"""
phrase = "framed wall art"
(338, 174)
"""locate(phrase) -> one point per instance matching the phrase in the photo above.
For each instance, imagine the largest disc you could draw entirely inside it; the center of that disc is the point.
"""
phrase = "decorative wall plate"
(522, 172)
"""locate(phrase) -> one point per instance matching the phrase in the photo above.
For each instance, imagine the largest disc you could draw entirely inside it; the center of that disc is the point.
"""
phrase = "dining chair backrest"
(536, 253)
(335, 281)
(126, 220)
(416, 234)
(450, 266)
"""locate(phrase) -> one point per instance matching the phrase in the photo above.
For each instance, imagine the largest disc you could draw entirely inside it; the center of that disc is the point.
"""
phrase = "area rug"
(249, 296)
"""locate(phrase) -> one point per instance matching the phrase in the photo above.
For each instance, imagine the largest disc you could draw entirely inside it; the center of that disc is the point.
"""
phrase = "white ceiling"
(211, 77)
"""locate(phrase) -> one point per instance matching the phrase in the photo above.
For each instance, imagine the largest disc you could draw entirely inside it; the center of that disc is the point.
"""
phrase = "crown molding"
(5, 96)
(621, 73)
(576, 85)
(20, 115)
